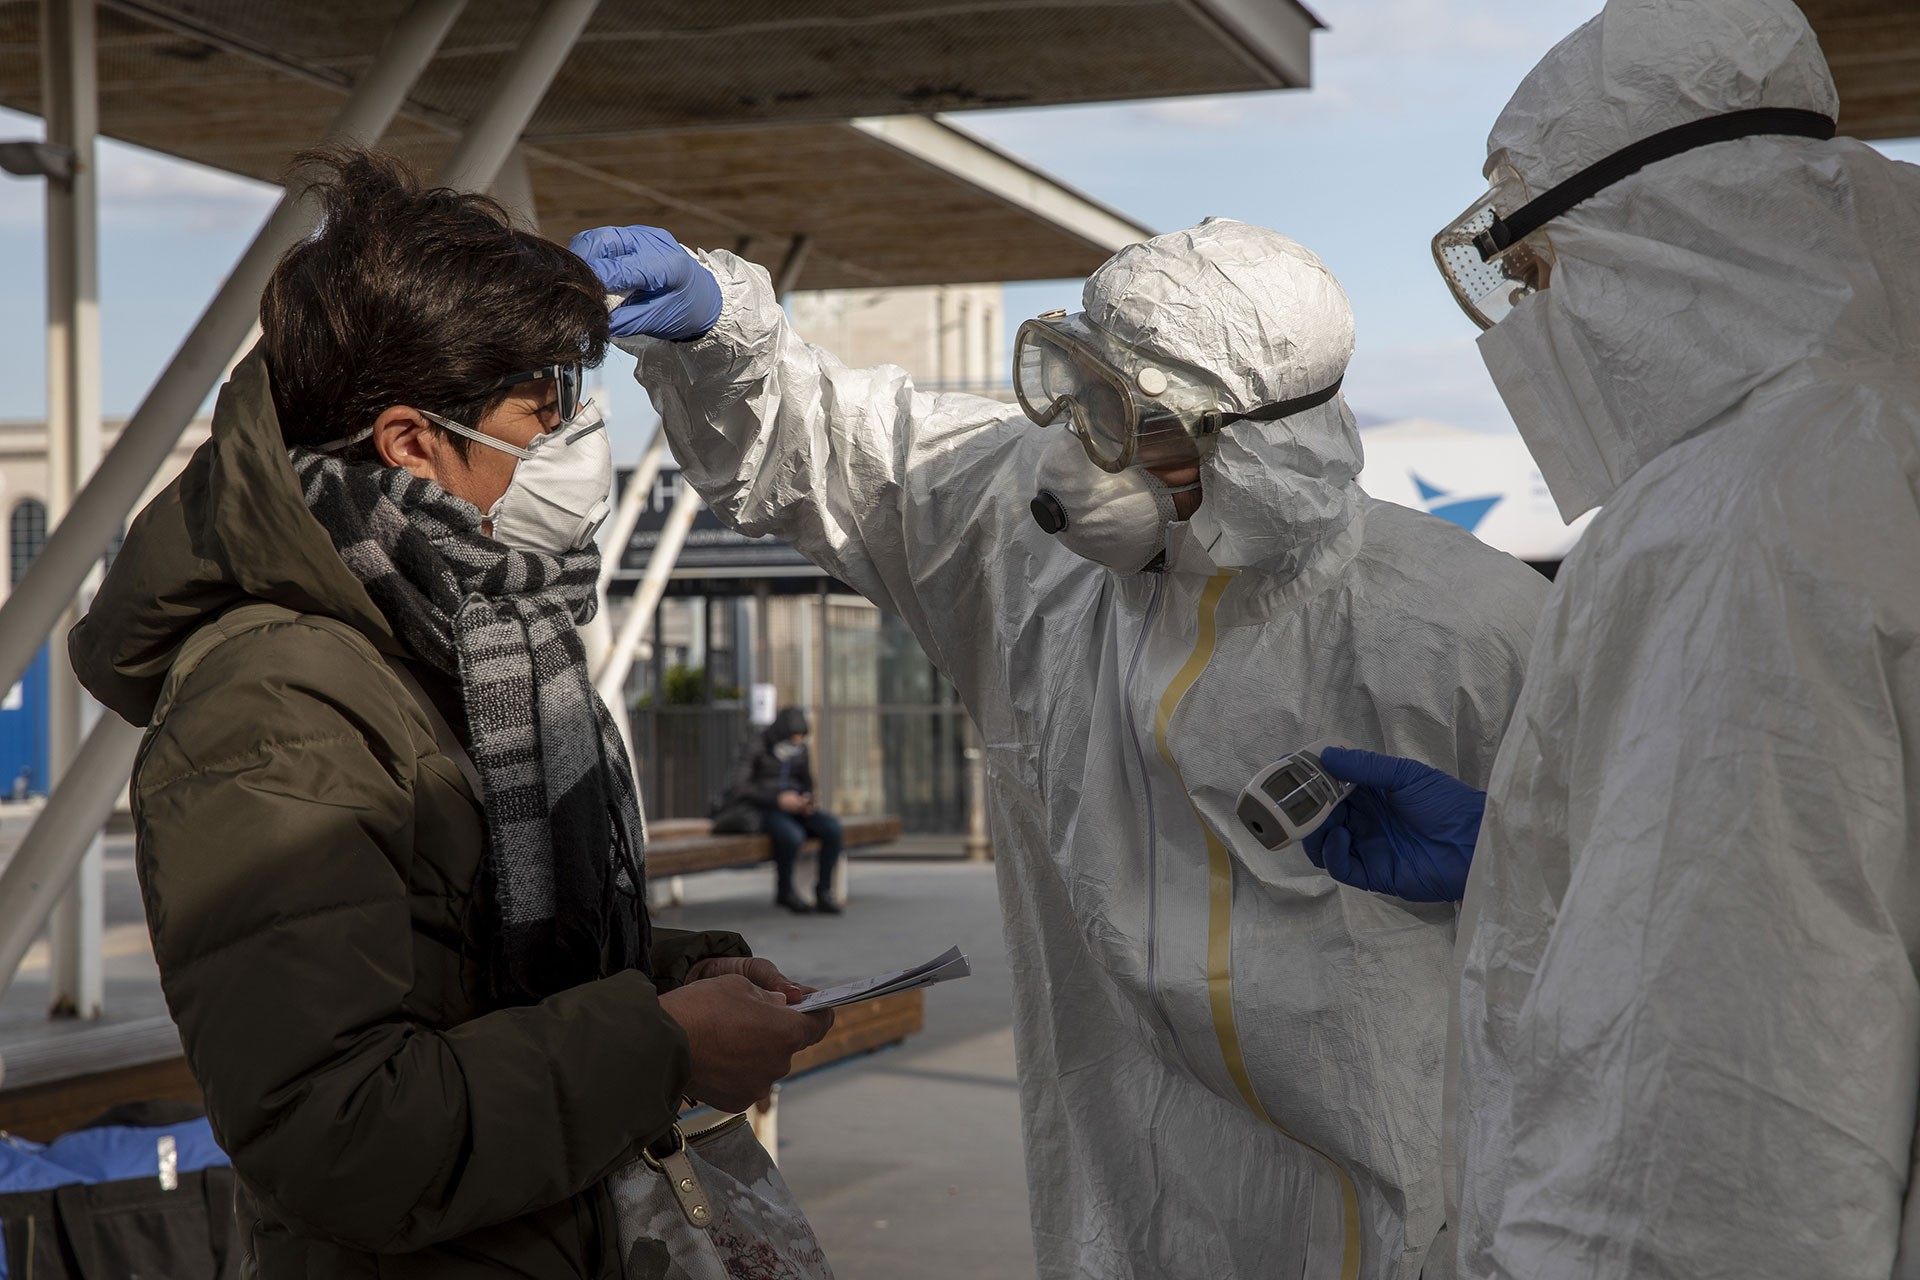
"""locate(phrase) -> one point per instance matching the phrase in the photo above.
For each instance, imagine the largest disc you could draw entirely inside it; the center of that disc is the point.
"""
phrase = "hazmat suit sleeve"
(914, 500)
(278, 873)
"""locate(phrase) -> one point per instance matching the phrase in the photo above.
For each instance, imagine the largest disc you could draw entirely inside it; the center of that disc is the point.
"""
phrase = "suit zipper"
(1154, 993)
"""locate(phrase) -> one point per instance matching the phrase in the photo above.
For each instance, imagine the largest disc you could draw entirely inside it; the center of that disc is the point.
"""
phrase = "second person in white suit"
(1230, 1066)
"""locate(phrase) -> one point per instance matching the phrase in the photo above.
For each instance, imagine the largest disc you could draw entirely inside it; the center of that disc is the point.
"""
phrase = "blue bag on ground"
(134, 1194)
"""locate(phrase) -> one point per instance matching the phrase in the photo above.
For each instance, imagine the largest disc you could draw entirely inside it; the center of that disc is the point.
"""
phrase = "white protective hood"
(1690, 1020)
(1610, 365)
(1229, 1065)
(1261, 313)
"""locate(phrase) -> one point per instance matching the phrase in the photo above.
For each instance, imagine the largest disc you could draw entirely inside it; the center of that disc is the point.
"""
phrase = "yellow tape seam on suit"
(1220, 919)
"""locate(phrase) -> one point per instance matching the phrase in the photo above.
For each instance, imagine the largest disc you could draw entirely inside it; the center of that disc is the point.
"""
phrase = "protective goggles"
(1496, 253)
(1128, 409)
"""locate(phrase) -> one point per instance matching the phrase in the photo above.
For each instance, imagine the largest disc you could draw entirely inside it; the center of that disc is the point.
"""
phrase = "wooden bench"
(686, 846)
(867, 1027)
(59, 1082)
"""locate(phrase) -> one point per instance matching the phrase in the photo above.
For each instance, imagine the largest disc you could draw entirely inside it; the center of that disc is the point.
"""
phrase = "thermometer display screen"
(1289, 789)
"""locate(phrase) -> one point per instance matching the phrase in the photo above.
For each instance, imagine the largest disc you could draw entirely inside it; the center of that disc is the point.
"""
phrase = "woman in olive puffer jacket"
(411, 963)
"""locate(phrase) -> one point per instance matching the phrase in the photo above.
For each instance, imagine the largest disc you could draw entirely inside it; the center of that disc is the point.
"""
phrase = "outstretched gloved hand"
(1407, 830)
(668, 293)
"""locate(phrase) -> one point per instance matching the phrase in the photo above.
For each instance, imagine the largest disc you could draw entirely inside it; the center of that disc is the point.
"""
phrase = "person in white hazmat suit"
(1690, 1018)
(1230, 1067)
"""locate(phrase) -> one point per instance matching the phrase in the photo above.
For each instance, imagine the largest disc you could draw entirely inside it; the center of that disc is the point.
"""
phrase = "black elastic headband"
(1631, 159)
(1285, 408)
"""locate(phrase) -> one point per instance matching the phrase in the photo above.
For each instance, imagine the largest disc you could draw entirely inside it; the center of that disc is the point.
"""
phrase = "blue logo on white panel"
(1465, 512)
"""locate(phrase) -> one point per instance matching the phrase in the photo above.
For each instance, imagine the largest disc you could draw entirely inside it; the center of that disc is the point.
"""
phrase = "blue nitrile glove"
(668, 293)
(1407, 830)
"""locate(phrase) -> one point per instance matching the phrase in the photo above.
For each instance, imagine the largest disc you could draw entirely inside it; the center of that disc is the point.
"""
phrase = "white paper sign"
(765, 705)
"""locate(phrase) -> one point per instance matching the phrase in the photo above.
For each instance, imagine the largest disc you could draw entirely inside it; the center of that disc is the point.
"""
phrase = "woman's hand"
(761, 973)
(740, 1033)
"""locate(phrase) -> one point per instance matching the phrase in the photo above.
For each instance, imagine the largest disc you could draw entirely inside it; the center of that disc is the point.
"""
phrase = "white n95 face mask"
(559, 494)
(1115, 518)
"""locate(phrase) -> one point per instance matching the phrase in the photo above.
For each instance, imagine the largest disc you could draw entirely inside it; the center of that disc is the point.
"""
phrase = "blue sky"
(1363, 169)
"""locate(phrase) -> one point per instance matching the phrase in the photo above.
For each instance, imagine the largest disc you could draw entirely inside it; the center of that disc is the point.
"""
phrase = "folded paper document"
(947, 965)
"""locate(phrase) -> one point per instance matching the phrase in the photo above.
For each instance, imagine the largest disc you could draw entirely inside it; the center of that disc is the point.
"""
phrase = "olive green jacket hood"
(232, 527)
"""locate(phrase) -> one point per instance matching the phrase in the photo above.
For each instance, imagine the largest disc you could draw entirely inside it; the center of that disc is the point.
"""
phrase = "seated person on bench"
(773, 782)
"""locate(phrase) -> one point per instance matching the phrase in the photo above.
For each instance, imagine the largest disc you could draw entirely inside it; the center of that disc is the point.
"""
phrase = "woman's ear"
(403, 438)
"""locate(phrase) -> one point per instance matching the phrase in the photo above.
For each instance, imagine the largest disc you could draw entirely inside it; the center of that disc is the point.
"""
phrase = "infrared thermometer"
(1289, 799)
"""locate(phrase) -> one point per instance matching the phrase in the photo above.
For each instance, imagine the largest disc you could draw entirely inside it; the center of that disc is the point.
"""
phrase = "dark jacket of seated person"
(773, 776)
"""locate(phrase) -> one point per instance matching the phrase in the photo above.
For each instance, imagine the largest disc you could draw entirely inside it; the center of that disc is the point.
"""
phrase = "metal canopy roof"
(1873, 47)
(723, 120)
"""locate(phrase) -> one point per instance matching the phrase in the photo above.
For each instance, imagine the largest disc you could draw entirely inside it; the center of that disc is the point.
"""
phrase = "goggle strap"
(1286, 408)
(1629, 160)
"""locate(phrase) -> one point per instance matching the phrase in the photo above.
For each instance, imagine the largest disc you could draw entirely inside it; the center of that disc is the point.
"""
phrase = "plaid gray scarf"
(565, 839)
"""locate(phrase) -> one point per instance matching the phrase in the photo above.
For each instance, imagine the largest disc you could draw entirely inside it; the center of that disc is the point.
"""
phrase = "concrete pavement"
(908, 1161)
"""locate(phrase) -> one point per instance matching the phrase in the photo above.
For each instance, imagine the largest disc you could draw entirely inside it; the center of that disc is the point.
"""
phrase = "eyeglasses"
(567, 382)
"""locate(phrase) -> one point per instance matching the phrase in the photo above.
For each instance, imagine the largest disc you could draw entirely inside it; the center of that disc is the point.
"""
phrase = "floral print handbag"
(711, 1207)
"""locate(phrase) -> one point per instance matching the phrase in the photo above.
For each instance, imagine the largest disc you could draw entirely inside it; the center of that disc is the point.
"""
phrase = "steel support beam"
(34, 608)
(979, 844)
(633, 501)
(515, 95)
(791, 266)
(513, 188)
(597, 635)
(612, 679)
(70, 98)
(43, 864)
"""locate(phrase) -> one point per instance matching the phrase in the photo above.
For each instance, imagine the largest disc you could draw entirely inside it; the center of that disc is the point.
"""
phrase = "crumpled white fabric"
(1690, 1020)
(1124, 878)
(1637, 268)
(1262, 313)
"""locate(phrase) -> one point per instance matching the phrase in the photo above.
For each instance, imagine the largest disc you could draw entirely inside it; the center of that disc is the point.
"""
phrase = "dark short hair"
(417, 296)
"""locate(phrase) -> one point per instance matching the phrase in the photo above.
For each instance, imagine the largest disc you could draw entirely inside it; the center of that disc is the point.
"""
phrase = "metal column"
(791, 266)
(45, 859)
(979, 844)
(612, 678)
(598, 636)
(69, 90)
(763, 632)
(515, 95)
(513, 188)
